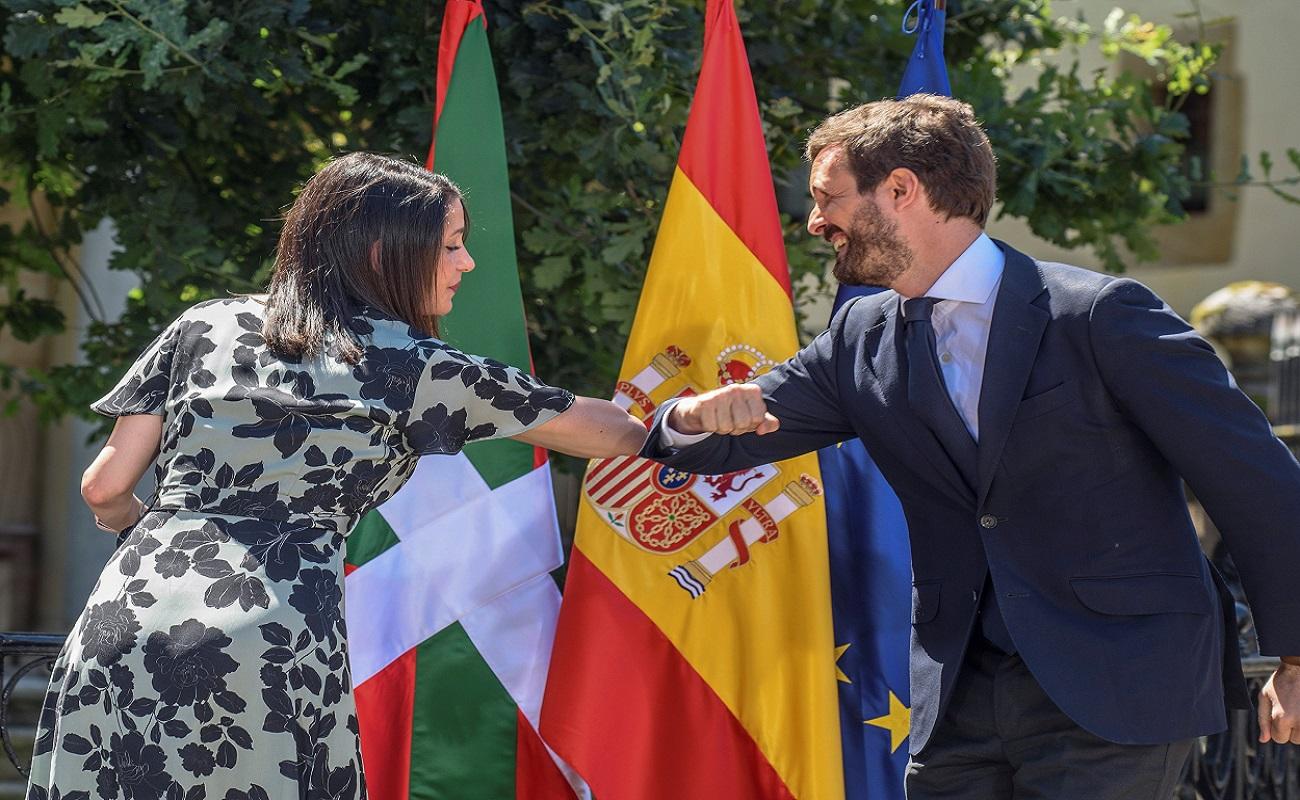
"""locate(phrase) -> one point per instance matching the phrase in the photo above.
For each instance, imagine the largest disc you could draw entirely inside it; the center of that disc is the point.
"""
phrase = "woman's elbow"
(634, 443)
(98, 490)
(626, 438)
(611, 432)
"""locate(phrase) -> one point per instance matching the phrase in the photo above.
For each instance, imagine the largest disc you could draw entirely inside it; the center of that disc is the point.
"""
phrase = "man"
(1036, 420)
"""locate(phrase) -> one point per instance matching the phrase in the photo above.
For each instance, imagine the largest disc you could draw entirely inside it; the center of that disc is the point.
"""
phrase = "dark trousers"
(1002, 738)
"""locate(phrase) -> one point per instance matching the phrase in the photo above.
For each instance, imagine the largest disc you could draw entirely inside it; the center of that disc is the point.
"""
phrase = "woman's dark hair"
(364, 231)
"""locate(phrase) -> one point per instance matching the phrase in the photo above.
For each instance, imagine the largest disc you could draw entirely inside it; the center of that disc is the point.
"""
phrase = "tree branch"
(71, 273)
(555, 221)
(173, 45)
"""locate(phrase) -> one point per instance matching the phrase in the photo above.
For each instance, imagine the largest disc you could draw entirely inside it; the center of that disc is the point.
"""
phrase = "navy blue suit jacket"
(1097, 400)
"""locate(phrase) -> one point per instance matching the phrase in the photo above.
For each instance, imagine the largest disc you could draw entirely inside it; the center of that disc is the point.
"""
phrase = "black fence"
(1228, 766)
(22, 654)
(1284, 371)
(1233, 765)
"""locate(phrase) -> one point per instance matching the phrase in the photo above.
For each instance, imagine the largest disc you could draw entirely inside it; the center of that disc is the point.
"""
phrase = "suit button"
(988, 521)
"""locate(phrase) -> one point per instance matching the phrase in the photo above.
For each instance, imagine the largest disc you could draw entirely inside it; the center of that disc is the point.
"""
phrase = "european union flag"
(871, 575)
(926, 72)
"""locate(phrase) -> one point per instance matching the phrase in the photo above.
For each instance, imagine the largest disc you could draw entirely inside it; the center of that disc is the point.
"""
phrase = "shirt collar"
(974, 276)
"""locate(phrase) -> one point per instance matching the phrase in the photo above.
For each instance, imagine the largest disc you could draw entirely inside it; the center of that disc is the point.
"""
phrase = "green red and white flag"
(451, 608)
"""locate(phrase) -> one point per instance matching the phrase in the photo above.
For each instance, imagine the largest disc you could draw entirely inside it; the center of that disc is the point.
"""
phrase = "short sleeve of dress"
(144, 387)
(463, 398)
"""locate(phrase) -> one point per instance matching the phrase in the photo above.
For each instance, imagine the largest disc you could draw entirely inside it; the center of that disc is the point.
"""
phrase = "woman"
(211, 659)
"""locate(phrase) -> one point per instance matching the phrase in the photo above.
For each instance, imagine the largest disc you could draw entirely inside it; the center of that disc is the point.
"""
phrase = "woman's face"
(454, 260)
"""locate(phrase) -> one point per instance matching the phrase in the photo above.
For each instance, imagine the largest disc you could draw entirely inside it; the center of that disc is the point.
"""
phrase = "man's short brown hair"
(936, 137)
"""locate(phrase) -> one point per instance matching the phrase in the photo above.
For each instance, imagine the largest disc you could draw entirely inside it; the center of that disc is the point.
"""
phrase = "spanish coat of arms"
(661, 509)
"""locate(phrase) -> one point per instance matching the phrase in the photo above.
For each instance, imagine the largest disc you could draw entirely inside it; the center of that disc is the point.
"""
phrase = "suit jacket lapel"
(1014, 335)
(886, 359)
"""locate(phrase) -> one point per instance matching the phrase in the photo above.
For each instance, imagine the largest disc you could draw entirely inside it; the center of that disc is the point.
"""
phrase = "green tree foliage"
(188, 125)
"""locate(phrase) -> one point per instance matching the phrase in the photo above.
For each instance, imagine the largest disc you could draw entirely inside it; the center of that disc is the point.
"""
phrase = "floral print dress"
(211, 659)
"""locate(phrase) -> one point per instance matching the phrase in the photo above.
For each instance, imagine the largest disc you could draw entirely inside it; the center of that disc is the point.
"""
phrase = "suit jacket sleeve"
(803, 393)
(1169, 381)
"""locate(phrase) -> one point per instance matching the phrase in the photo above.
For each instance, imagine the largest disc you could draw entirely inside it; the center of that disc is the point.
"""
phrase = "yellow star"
(839, 673)
(897, 722)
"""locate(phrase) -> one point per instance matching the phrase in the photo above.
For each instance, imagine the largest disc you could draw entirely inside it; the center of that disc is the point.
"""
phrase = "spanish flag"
(694, 655)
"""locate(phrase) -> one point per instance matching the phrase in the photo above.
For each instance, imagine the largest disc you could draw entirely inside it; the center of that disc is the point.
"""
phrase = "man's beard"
(873, 254)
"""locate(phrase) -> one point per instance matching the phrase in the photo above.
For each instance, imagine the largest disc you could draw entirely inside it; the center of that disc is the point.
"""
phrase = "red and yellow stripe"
(732, 694)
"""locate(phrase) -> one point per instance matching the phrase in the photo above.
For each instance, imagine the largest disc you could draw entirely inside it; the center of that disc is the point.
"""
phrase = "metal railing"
(1227, 766)
(1233, 765)
(32, 651)
(1284, 370)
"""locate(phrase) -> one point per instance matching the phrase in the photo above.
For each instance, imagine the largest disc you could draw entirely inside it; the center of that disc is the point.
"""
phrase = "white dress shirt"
(967, 292)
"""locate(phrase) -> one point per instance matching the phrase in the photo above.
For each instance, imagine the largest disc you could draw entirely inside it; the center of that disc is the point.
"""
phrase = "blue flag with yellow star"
(926, 71)
(871, 574)
(871, 596)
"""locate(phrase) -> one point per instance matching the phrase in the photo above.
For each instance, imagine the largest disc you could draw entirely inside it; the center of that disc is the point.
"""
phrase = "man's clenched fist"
(735, 409)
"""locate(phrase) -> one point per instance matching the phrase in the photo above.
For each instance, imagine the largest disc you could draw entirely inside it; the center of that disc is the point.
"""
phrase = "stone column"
(21, 481)
(74, 550)
(21, 465)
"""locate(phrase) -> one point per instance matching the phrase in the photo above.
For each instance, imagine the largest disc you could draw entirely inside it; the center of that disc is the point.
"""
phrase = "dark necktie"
(927, 394)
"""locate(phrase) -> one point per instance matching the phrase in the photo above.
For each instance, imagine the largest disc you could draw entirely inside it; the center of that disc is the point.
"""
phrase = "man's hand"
(735, 409)
(1279, 704)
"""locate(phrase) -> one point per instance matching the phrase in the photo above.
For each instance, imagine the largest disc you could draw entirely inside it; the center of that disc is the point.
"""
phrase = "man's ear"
(903, 188)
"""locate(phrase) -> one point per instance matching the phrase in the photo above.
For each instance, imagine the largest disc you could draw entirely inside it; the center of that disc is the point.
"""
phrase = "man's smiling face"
(868, 248)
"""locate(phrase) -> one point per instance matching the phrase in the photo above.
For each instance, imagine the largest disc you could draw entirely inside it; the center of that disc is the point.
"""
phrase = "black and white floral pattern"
(211, 659)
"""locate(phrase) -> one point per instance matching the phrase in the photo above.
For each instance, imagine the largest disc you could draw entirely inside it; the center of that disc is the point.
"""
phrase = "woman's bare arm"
(108, 484)
(590, 428)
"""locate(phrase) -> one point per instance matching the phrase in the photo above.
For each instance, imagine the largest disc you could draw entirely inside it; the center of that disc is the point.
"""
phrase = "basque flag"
(451, 608)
